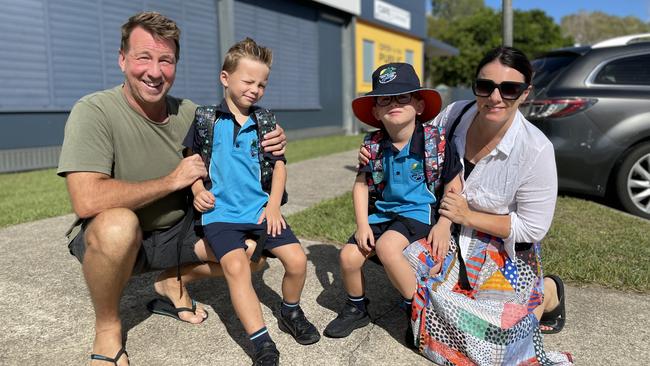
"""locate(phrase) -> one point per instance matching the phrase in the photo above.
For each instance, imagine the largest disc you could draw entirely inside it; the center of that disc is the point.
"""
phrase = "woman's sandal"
(114, 360)
(553, 321)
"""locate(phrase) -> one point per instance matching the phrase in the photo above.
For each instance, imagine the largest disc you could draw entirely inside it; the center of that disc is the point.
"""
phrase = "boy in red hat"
(405, 209)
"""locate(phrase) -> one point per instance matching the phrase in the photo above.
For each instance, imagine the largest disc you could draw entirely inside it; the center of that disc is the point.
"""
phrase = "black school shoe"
(267, 355)
(349, 319)
(296, 324)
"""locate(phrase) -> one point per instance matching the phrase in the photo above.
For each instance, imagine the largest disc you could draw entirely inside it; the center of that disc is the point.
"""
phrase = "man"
(127, 179)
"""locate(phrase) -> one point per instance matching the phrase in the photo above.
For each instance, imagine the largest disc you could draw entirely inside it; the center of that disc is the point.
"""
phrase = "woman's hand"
(365, 239)
(364, 155)
(454, 207)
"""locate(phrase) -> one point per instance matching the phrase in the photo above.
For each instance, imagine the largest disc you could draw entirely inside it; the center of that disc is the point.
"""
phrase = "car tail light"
(553, 108)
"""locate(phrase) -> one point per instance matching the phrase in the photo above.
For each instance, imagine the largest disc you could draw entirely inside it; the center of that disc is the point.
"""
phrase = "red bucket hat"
(395, 79)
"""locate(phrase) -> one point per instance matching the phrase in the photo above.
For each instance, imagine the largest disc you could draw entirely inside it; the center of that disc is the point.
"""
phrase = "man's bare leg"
(112, 242)
(168, 286)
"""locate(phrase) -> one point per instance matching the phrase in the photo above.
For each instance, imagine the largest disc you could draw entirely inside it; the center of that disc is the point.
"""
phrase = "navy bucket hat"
(395, 79)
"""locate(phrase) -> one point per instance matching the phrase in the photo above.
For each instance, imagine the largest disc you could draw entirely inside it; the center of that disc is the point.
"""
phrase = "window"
(408, 57)
(368, 60)
(626, 71)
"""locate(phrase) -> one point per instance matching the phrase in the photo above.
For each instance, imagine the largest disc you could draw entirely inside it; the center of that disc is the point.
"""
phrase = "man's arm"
(92, 193)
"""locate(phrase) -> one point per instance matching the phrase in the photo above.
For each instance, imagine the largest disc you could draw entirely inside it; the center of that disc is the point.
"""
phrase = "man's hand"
(364, 155)
(275, 141)
(365, 239)
(203, 201)
(187, 172)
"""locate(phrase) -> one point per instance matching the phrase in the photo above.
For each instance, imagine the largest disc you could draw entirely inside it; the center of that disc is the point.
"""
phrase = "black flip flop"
(113, 360)
(555, 318)
(166, 308)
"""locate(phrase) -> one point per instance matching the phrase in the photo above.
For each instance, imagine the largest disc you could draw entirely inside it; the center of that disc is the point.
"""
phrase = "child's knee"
(235, 263)
(350, 258)
(296, 263)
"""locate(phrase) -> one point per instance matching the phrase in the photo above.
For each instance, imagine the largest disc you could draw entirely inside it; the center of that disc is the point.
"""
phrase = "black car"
(593, 103)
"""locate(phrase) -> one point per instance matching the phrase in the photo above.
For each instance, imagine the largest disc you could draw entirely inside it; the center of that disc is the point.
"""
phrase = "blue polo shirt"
(406, 192)
(234, 169)
(235, 173)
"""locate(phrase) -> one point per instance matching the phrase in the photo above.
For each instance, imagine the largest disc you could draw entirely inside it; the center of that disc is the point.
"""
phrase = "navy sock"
(358, 301)
(288, 307)
(259, 337)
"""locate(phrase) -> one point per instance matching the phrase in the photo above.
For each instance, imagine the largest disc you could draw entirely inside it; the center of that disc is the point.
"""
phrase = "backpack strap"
(434, 155)
(266, 123)
(204, 119)
(375, 178)
(435, 140)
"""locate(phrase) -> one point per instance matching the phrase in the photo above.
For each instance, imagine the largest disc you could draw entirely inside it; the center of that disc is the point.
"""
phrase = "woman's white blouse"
(517, 178)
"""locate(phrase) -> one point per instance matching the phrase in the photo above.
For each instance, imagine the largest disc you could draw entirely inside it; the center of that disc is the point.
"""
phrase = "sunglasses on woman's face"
(510, 90)
(385, 100)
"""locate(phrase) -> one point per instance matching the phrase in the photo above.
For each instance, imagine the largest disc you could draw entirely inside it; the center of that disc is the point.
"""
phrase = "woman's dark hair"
(511, 57)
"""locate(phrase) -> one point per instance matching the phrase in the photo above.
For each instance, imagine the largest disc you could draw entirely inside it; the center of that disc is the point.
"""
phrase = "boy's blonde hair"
(249, 49)
(155, 23)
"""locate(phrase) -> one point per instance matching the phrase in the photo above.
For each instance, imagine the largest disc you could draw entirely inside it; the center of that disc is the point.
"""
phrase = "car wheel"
(633, 181)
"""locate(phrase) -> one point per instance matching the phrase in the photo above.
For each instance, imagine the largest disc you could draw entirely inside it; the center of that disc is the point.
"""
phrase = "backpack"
(434, 157)
(205, 119)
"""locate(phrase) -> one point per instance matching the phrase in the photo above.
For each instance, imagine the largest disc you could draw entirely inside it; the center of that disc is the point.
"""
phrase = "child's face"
(395, 112)
(245, 86)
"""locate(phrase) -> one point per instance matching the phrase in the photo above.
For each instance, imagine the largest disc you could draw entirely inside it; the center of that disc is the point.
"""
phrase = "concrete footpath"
(47, 317)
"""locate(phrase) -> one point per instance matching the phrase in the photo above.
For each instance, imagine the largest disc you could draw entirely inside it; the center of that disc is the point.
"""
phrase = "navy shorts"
(418, 230)
(224, 237)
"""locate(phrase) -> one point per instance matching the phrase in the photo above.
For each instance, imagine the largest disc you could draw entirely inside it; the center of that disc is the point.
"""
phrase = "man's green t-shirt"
(105, 134)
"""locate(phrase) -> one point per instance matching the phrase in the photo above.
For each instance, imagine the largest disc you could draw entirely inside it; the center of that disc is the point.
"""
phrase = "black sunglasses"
(510, 90)
(385, 100)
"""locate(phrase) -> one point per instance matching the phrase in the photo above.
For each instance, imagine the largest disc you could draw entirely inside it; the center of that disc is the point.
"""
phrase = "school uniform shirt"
(406, 192)
(234, 170)
(518, 178)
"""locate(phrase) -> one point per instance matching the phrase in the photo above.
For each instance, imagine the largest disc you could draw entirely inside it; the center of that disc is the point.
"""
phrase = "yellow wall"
(389, 47)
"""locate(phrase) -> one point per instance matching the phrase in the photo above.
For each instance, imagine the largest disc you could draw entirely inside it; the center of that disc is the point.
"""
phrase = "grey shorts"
(158, 250)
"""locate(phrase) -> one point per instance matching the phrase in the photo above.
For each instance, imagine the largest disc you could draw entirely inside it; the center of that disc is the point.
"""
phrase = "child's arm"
(363, 235)
(274, 220)
(440, 233)
(203, 199)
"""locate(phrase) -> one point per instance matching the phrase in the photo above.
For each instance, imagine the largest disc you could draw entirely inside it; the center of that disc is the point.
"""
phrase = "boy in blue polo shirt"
(235, 207)
(405, 210)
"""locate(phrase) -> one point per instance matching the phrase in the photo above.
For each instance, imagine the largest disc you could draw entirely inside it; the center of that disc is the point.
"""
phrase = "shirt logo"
(417, 172)
(387, 75)
(254, 150)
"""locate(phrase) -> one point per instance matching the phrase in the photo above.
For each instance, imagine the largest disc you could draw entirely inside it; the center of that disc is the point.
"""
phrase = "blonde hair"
(249, 49)
(155, 23)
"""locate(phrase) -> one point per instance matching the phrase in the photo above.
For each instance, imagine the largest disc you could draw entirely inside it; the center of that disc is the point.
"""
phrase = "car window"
(626, 71)
(547, 68)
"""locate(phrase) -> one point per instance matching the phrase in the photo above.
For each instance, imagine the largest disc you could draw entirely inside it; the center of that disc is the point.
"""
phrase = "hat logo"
(387, 75)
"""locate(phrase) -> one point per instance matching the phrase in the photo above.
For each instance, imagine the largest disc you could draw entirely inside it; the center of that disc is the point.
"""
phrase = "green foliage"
(591, 27)
(587, 243)
(474, 35)
(452, 9)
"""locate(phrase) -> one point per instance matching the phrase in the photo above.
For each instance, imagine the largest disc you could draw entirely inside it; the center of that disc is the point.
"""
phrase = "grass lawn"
(588, 243)
(40, 194)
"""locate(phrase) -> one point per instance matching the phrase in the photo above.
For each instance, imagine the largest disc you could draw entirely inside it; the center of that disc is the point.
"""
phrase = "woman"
(480, 308)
